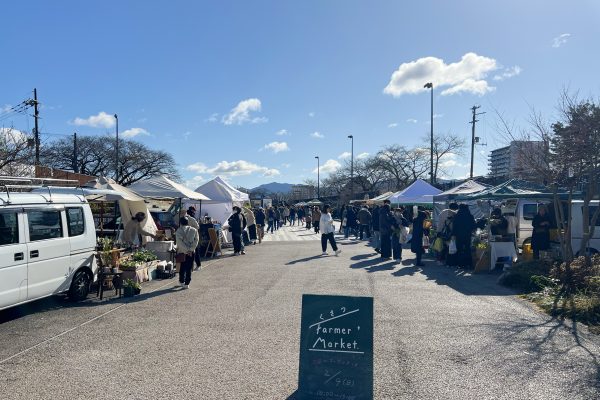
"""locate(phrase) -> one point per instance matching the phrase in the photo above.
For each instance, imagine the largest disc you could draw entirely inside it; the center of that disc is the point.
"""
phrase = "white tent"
(419, 192)
(163, 187)
(442, 200)
(222, 199)
(379, 199)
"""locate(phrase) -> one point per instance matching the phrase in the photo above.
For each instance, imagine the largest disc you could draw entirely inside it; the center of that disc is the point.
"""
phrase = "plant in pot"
(131, 288)
(105, 246)
(129, 265)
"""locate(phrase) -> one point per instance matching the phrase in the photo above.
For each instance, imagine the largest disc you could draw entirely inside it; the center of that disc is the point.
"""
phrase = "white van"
(47, 246)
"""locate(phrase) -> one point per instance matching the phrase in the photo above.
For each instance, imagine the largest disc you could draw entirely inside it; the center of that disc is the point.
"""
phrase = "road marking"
(27, 350)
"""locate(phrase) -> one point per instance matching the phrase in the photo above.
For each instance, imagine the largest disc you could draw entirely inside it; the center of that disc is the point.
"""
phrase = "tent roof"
(104, 183)
(220, 191)
(380, 198)
(467, 187)
(314, 202)
(513, 187)
(419, 192)
(161, 187)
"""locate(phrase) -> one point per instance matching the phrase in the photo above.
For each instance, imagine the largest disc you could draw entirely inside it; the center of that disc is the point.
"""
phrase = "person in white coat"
(187, 240)
(327, 230)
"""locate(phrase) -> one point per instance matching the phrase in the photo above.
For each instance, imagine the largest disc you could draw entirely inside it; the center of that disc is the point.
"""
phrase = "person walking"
(286, 215)
(237, 224)
(540, 237)
(463, 225)
(316, 218)
(386, 219)
(277, 218)
(308, 218)
(251, 221)
(292, 216)
(300, 214)
(187, 240)
(260, 224)
(375, 225)
(271, 219)
(444, 231)
(364, 218)
(327, 231)
(190, 214)
(418, 231)
(342, 218)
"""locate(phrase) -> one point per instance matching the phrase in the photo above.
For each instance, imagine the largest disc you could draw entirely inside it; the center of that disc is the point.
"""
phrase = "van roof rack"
(28, 188)
(38, 181)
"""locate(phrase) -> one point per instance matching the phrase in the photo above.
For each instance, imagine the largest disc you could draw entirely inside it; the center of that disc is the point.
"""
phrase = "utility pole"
(36, 116)
(473, 138)
(117, 150)
(351, 137)
(75, 166)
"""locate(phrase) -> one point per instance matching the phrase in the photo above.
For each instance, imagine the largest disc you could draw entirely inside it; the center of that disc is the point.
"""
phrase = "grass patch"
(564, 291)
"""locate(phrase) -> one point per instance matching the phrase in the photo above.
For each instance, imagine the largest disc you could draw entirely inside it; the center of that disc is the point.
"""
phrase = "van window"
(44, 224)
(9, 228)
(75, 221)
(591, 216)
(529, 211)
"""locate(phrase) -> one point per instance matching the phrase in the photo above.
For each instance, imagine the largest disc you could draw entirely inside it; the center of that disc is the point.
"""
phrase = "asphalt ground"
(439, 334)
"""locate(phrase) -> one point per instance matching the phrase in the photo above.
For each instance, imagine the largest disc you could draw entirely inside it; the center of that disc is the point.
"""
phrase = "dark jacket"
(463, 225)
(237, 223)
(386, 220)
(375, 218)
(416, 243)
(540, 238)
(260, 217)
(364, 216)
(498, 225)
(350, 217)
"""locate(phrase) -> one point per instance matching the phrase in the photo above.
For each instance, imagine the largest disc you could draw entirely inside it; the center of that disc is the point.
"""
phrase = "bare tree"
(15, 151)
(445, 146)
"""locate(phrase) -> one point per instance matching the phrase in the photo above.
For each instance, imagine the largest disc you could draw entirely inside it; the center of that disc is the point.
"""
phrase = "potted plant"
(106, 254)
(131, 288)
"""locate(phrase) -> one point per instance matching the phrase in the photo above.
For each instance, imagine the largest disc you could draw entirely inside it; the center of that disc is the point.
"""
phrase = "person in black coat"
(540, 238)
(463, 226)
(386, 222)
(416, 243)
(237, 224)
(375, 226)
(260, 223)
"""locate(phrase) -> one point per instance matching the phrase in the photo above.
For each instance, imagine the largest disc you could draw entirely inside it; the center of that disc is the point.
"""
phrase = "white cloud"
(12, 136)
(560, 40)
(214, 117)
(317, 135)
(508, 73)
(277, 147)
(241, 113)
(283, 132)
(311, 114)
(393, 125)
(344, 155)
(232, 168)
(286, 165)
(133, 132)
(329, 167)
(101, 120)
(194, 182)
(466, 75)
(412, 120)
(362, 156)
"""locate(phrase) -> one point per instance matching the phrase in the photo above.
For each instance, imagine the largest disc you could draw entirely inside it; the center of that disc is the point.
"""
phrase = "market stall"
(442, 200)
(223, 197)
(418, 193)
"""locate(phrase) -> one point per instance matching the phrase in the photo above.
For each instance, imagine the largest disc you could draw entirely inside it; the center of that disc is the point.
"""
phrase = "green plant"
(143, 256)
(106, 244)
(132, 284)
(578, 274)
(128, 265)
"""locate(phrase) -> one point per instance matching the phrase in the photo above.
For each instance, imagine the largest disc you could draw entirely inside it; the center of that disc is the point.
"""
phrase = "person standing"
(342, 218)
(300, 215)
(327, 231)
(308, 218)
(237, 224)
(316, 218)
(350, 222)
(271, 218)
(193, 222)
(418, 231)
(277, 218)
(375, 223)
(400, 224)
(260, 224)
(540, 237)
(187, 240)
(444, 231)
(385, 231)
(364, 218)
(463, 225)
(134, 231)
(251, 221)
(292, 216)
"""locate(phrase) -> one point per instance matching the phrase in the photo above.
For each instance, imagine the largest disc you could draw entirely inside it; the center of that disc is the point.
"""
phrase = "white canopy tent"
(418, 193)
(163, 187)
(379, 199)
(223, 197)
(442, 200)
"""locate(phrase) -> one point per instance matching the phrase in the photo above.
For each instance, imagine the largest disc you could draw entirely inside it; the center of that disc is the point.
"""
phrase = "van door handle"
(19, 256)
(34, 254)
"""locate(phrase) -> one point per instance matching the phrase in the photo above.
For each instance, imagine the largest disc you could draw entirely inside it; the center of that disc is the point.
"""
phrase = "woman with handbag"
(187, 240)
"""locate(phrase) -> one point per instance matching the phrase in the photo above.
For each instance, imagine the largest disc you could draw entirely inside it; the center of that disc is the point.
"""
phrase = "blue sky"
(215, 82)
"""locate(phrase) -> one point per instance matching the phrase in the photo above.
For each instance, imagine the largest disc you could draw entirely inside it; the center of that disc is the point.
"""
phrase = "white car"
(47, 247)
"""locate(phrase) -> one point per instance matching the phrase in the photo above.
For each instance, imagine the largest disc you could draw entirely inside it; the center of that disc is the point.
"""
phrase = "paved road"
(439, 334)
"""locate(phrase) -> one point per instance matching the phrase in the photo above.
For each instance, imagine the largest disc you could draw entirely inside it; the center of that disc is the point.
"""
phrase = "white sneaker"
(180, 284)
(324, 253)
(186, 286)
(337, 252)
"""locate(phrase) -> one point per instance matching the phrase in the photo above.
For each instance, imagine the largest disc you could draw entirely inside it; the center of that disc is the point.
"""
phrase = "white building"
(521, 159)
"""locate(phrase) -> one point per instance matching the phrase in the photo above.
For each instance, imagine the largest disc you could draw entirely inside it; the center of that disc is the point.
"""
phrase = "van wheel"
(80, 286)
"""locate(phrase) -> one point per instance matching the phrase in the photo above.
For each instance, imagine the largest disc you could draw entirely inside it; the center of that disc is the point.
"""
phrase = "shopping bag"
(438, 245)
(404, 235)
(452, 247)
(425, 242)
(344, 221)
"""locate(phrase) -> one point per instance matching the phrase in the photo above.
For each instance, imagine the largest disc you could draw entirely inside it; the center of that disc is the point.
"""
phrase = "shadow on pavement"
(390, 265)
(301, 260)
(362, 256)
(149, 295)
(409, 271)
(367, 263)
(292, 396)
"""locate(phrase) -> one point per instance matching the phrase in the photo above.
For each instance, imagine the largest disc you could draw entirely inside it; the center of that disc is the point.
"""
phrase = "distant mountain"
(274, 187)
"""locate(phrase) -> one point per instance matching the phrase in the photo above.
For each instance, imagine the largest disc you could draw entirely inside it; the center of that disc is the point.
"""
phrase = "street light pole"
(318, 177)
(429, 85)
(351, 137)
(117, 150)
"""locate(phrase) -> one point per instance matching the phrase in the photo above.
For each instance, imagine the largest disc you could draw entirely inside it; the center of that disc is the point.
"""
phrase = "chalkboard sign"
(336, 348)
